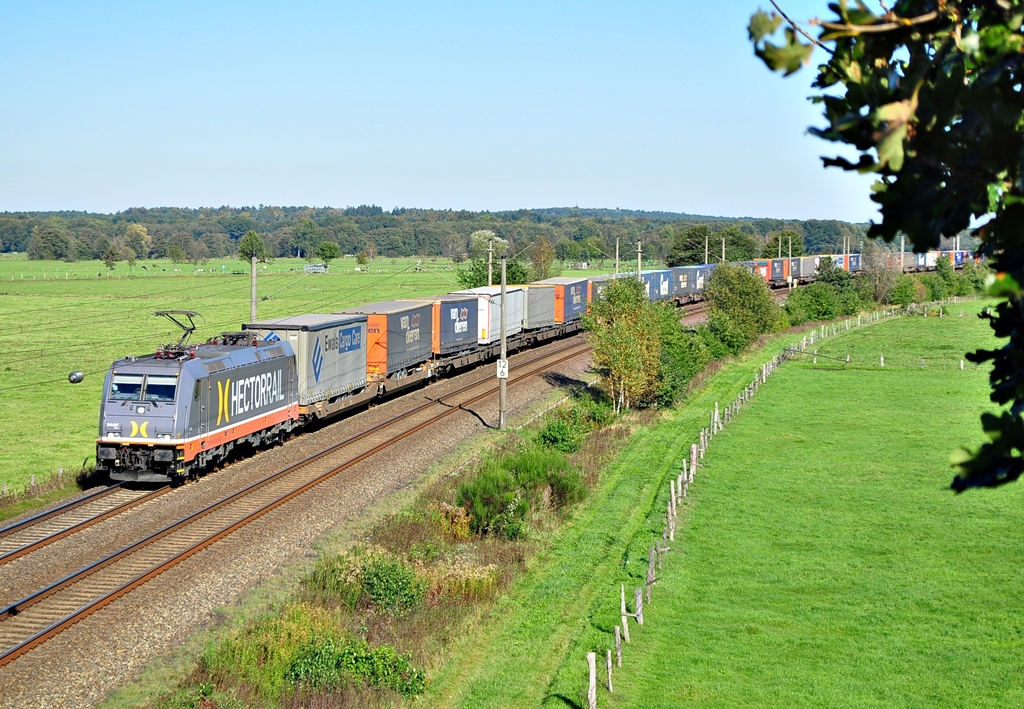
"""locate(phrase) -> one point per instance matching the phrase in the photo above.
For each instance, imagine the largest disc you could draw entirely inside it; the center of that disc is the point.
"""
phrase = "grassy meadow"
(821, 559)
(58, 317)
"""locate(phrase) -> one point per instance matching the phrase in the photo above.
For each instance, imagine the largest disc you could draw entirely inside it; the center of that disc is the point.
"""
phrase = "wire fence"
(633, 601)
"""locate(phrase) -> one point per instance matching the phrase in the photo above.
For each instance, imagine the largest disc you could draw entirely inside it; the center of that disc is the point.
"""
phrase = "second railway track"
(30, 534)
(45, 613)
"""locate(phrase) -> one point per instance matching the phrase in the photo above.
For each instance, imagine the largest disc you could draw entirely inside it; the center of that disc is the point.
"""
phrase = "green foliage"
(251, 246)
(475, 274)
(683, 356)
(502, 493)
(627, 347)
(832, 274)
(391, 585)
(740, 301)
(175, 253)
(50, 243)
(495, 503)
(568, 428)
(688, 247)
(325, 662)
(327, 251)
(903, 292)
(367, 576)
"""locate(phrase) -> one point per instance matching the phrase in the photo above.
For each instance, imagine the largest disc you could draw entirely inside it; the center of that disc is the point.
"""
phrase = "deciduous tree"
(542, 258)
(252, 245)
(327, 251)
(623, 331)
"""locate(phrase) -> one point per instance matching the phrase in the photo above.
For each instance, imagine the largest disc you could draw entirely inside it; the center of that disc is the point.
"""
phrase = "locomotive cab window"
(160, 388)
(126, 387)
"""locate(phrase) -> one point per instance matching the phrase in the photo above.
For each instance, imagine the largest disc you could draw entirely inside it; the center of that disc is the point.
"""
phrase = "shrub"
(368, 576)
(562, 435)
(391, 585)
(328, 662)
(903, 293)
(493, 502)
(261, 653)
(722, 336)
(453, 521)
(500, 496)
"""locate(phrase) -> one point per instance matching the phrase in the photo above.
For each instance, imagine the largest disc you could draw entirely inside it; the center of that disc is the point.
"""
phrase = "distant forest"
(198, 234)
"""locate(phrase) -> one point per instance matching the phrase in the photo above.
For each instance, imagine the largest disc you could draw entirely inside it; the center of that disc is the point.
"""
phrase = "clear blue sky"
(640, 105)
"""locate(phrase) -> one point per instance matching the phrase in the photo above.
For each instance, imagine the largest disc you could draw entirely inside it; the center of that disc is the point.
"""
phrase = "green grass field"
(824, 561)
(58, 317)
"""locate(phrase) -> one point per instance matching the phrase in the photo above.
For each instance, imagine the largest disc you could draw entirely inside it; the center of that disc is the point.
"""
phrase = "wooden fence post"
(693, 460)
(639, 600)
(672, 498)
(609, 664)
(625, 615)
(650, 573)
(618, 645)
(592, 688)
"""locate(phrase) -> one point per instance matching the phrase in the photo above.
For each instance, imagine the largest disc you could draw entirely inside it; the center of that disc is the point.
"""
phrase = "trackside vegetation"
(367, 625)
(820, 560)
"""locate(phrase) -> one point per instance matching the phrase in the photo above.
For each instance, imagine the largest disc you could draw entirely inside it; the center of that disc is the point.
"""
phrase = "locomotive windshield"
(160, 388)
(126, 387)
(139, 387)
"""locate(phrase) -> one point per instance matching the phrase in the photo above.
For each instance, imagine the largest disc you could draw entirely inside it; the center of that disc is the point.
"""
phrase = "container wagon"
(330, 354)
(489, 312)
(454, 323)
(572, 296)
(399, 340)
(538, 307)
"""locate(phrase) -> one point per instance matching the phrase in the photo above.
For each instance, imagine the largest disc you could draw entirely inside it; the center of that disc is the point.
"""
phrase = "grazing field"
(821, 559)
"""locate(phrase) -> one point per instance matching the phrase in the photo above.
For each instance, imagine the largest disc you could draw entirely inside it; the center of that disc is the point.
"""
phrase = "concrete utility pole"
(706, 254)
(638, 258)
(252, 290)
(490, 262)
(723, 249)
(616, 255)
(790, 246)
(780, 248)
(503, 361)
(903, 248)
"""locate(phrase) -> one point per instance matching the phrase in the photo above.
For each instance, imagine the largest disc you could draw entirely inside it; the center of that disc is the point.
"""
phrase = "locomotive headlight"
(106, 453)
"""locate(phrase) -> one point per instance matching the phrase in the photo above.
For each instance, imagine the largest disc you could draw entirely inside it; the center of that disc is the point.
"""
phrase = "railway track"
(42, 615)
(35, 532)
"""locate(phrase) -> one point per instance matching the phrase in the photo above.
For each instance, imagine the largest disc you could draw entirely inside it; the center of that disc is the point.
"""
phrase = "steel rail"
(91, 497)
(45, 634)
(79, 526)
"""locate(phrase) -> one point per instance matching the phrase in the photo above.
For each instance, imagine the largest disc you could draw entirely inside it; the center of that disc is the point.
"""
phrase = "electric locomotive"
(169, 414)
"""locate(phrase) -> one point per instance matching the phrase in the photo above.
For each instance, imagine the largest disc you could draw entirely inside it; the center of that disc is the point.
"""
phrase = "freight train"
(173, 414)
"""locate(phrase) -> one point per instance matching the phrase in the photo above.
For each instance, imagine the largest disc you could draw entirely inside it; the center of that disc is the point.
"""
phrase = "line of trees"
(563, 235)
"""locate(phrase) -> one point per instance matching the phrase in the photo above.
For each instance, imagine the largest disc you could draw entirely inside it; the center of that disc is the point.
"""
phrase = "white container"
(489, 312)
